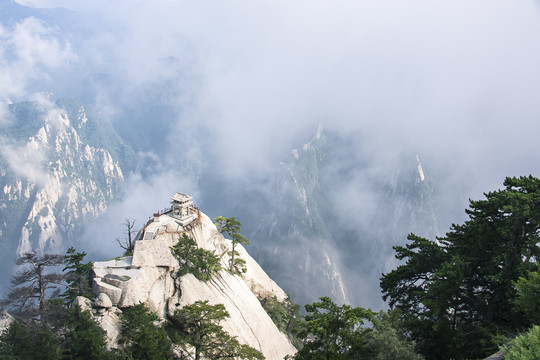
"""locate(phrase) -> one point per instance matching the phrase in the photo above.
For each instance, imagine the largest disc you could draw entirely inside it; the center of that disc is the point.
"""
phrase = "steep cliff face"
(149, 277)
(295, 241)
(328, 226)
(55, 176)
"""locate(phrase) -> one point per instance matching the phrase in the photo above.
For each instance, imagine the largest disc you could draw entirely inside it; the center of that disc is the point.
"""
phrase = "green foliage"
(286, 316)
(333, 332)
(524, 347)
(457, 295)
(141, 338)
(231, 226)
(528, 293)
(386, 341)
(205, 264)
(85, 339)
(228, 225)
(197, 325)
(16, 343)
(77, 277)
(339, 332)
(239, 263)
(202, 263)
(19, 343)
(47, 345)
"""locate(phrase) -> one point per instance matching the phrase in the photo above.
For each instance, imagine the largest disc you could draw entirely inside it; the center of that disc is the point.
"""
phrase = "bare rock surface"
(248, 320)
(103, 301)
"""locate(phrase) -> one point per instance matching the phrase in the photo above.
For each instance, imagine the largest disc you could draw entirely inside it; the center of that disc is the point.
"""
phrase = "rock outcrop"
(149, 277)
(5, 320)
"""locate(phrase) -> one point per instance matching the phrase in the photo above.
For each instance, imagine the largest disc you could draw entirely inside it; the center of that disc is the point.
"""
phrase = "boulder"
(103, 301)
(83, 303)
(114, 293)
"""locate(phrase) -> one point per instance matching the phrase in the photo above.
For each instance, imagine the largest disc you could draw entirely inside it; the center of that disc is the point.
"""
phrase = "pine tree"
(16, 343)
(333, 332)
(85, 339)
(141, 338)
(198, 326)
(77, 276)
(201, 263)
(30, 284)
(457, 294)
(231, 226)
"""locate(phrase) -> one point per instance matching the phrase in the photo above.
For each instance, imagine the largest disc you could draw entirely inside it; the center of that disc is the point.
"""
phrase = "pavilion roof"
(181, 198)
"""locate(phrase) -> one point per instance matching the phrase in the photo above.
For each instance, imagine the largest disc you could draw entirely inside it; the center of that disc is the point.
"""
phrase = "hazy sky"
(455, 79)
(457, 82)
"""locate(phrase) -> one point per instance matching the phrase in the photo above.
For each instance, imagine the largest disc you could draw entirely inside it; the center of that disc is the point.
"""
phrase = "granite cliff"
(150, 277)
(59, 167)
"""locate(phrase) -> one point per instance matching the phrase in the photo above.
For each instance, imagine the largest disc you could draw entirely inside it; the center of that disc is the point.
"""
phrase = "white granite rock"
(248, 320)
(83, 303)
(110, 322)
(154, 253)
(103, 301)
(149, 277)
(5, 320)
(114, 293)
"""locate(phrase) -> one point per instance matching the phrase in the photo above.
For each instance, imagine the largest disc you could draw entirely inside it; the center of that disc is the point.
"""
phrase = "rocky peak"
(149, 277)
(55, 176)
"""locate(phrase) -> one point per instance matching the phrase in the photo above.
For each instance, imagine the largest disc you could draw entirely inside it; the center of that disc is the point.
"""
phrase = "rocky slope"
(149, 277)
(327, 222)
(58, 170)
(295, 241)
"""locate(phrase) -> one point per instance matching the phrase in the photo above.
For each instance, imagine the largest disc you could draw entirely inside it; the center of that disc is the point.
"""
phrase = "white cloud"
(25, 161)
(30, 51)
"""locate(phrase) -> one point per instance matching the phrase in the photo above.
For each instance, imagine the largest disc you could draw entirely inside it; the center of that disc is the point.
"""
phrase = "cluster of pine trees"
(463, 296)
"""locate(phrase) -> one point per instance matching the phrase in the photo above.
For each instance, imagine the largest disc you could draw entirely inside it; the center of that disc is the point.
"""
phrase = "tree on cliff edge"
(77, 277)
(197, 325)
(231, 226)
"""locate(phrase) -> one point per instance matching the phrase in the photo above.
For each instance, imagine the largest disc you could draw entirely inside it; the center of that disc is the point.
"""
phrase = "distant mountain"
(325, 225)
(293, 241)
(405, 204)
(61, 165)
(12, 12)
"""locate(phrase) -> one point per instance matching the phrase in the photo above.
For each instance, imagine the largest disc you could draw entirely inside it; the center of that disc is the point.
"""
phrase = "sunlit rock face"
(60, 167)
(149, 277)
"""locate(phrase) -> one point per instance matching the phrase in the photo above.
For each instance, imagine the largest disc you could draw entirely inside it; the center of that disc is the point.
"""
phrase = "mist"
(213, 96)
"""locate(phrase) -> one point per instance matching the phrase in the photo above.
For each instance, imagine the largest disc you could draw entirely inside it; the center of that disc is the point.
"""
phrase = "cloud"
(26, 157)
(24, 160)
(30, 51)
